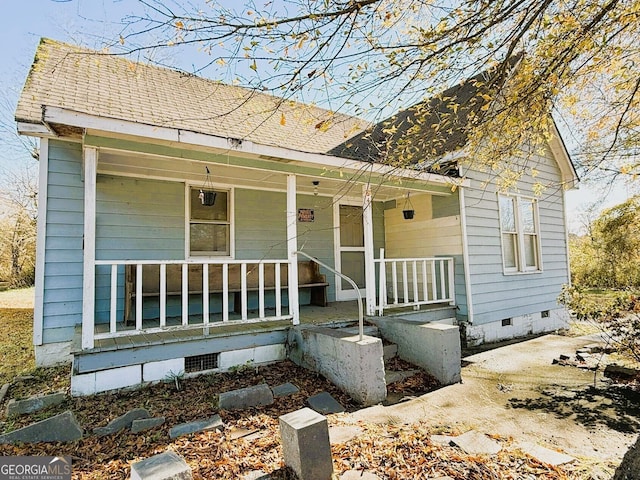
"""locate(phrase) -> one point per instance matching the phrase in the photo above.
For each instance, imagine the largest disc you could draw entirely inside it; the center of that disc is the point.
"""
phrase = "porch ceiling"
(225, 173)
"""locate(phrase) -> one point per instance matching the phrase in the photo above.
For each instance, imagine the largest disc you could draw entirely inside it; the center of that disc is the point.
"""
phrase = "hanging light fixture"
(315, 187)
(207, 196)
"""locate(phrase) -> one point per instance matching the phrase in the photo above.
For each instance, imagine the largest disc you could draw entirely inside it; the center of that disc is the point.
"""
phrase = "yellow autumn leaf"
(283, 120)
(253, 66)
(179, 25)
(121, 40)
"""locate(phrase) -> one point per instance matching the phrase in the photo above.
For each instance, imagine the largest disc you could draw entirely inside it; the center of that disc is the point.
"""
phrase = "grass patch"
(16, 344)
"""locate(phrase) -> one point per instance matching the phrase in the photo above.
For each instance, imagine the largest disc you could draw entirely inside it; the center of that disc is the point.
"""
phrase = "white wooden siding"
(496, 295)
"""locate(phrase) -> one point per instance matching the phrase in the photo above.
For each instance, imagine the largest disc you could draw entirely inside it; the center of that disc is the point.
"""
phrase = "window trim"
(230, 215)
(521, 268)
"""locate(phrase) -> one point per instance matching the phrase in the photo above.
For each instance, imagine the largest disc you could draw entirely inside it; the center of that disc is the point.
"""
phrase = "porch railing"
(411, 282)
(167, 289)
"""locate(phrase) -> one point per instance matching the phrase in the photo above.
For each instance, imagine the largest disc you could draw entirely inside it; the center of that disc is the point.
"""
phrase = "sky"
(88, 22)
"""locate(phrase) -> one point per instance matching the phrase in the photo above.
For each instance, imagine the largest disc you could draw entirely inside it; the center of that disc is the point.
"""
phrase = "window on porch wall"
(209, 226)
(520, 237)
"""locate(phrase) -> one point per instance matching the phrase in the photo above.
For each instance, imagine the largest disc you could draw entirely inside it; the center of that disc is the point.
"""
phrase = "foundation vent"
(200, 363)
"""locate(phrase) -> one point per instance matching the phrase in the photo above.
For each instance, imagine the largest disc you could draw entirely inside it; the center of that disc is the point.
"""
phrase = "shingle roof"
(427, 130)
(110, 86)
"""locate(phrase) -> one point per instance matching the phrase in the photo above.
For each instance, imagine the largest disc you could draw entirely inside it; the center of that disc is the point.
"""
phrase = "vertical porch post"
(90, 156)
(369, 263)
(292, 247)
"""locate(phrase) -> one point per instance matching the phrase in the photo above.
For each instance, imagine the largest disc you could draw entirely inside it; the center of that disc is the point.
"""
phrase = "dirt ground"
(515, 391)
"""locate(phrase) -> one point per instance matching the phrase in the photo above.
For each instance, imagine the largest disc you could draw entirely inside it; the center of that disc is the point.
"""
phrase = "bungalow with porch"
(186, 225)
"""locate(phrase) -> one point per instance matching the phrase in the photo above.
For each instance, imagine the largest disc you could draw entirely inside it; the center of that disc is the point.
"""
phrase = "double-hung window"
(520, 234)
(209, 225)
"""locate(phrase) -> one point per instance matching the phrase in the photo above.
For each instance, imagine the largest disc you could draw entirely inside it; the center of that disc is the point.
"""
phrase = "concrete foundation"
(52, 354)
(515, 327)
(305, 444)
(434, 347)
(356, 367)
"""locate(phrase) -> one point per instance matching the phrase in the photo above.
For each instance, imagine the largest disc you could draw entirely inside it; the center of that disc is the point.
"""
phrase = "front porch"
(149, 357)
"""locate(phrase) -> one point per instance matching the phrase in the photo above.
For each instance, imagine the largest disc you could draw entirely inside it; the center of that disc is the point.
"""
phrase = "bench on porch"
(309, 277)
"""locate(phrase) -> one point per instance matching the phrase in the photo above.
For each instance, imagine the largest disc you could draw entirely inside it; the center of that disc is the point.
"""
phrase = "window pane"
(209, 239)
(217, 211)
(351, 227)
(509, 250)
(526, 214)
(530, 250)
(507, 215)
(353, 267)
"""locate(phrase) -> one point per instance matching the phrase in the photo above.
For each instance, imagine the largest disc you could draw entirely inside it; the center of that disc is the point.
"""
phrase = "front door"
(349, 241)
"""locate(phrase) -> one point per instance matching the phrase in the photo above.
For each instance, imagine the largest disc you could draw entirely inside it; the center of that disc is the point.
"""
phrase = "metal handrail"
(353, 284)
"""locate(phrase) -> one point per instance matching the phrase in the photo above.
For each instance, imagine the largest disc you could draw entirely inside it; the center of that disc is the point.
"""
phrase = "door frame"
(350, 294)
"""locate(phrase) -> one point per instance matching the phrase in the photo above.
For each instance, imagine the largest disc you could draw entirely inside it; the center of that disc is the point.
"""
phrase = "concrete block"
(435, 347)
(34, 403)
(157, 371)
(476, 443)
(355, 366)
(61, 428)
(390, 351)
(165, 466)
(324, 403)
(197, 426)
(142, 424)
(305, 444)
(257, 355)
(255, 396)
(83, 384)
(116, 378)
(105, 380)
(545, 455)
(284, 390)
(3, 391)
(123, 421)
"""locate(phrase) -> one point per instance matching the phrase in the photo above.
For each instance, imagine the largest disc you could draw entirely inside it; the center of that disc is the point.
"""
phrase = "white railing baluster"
(405, 282)
(163, 294)
(443, 288)
(434, 283)
(113, 308)
(452, 284)
(225, 292)
(139, 296)
(205, 293)
(425, 281)
(185, 294)
(415, 281)
(278, 284)
(382, 284)
(243, 289)
(261, 290)
(394, 280)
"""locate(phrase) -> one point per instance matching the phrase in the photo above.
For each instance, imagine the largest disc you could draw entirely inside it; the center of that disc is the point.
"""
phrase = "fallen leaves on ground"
(392, 451)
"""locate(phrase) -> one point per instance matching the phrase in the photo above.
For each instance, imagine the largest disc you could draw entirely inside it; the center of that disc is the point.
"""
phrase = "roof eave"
(58, 115)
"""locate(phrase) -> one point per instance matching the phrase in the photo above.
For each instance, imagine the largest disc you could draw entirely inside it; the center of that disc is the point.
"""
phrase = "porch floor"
(336, 312)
